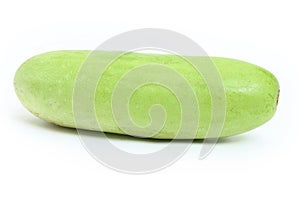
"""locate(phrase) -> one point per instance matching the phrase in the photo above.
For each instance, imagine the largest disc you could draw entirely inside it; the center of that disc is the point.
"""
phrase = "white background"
(41, 161)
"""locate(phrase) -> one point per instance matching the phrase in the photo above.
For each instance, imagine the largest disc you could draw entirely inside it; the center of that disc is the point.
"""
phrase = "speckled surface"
(45, 83)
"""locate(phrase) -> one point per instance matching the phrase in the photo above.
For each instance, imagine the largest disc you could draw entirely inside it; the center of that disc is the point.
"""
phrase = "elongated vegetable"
(45, 85)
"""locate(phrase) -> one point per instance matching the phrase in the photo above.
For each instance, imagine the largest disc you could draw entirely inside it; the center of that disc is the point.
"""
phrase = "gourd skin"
(45, 84)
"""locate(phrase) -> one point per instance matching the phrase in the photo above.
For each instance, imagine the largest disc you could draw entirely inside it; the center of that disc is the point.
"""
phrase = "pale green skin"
(45, 83)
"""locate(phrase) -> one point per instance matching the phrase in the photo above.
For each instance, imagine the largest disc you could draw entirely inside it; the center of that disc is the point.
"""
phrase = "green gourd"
(45, 86)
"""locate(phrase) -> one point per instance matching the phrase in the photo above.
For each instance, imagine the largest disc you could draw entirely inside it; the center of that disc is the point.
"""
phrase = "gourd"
(45, 86)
